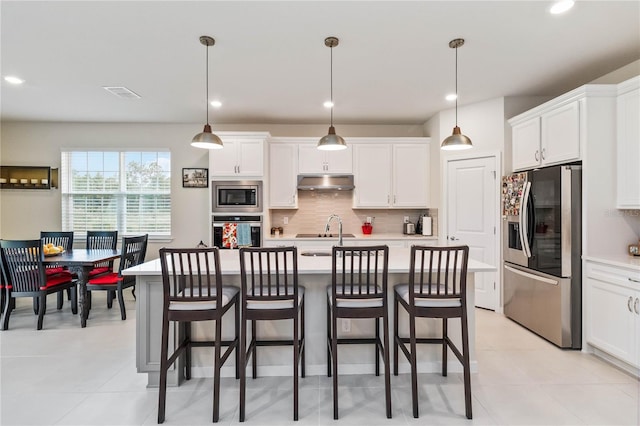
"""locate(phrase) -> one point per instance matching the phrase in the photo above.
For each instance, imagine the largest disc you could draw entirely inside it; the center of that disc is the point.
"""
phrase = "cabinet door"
(311, 160)
(224, 162)
(283, 170)
(611, 322)
(340, 161)
(628, 167)
(526, 144)
(410, 175)
(372, 175)
(250, 158)
(560, 138)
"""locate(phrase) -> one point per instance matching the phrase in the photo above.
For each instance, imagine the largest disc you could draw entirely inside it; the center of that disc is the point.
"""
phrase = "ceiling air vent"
(121, 92)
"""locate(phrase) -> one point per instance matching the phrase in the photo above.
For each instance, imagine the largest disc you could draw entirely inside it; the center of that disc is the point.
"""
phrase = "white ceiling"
(270, 64)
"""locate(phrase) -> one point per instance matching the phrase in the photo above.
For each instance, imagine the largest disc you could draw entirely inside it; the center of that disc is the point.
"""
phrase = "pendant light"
(206, 139)
(331, 142)
(457, 140)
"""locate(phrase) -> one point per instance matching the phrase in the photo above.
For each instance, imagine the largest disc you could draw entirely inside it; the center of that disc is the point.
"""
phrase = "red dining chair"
(106, 240)
(25, 276)
(133, 252)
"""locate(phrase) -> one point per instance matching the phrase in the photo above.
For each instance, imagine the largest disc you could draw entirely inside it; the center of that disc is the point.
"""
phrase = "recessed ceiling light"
(216, 104)
(451, 97)
(13, 80)
(328, 104)
(561, 6)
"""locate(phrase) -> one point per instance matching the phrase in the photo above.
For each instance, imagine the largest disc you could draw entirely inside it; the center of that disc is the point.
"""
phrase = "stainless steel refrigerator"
(542, 248)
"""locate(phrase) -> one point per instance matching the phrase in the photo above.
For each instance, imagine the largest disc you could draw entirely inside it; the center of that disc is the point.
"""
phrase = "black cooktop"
(323, 235)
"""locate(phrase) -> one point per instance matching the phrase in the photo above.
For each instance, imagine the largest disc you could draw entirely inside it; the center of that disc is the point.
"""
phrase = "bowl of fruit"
(52, 250)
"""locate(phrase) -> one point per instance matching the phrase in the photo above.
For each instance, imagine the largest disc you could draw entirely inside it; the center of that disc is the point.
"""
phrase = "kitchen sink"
(315, 253)
(323, 235)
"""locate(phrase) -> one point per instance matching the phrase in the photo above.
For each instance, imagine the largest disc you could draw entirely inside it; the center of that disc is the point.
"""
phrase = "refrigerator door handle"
(524, 220)
(532, 276)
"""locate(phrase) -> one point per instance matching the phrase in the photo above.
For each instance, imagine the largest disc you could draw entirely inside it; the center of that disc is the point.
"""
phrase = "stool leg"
(329, 342)
(302, 357)
(243, 367)
(237, 338)
(466, 366)
(187, 356)
(334, 361)
(395, 333)
(387, 368)
(376, 346)
(254, 358)
(162, 391)
(444, 346)
(412, 360)
(296, 349)
(216, 370)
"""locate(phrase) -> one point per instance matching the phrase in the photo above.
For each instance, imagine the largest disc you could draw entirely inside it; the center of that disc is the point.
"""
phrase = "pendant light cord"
(456, 86)
(331, 85)
(207, 84)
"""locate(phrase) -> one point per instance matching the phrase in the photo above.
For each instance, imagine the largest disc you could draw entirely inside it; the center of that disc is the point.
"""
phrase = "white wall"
(24, 213)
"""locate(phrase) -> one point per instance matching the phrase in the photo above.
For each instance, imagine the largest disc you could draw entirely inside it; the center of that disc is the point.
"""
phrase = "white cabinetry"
(613, 311)
(628, 144)
(242, 155)
(283, 170)
(545, 136)
(391, 174)
(311, 160)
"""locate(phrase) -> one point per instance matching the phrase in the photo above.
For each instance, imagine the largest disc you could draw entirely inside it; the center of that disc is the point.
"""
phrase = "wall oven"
(237, 196)
(542, 248)
(234, 231)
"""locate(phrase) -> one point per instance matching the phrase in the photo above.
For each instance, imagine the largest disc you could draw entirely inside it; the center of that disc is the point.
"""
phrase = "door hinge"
(494, 285)
(494, 230)
(494, 174)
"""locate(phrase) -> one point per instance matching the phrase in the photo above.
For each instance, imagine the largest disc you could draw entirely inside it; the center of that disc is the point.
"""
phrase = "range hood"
(325, 182)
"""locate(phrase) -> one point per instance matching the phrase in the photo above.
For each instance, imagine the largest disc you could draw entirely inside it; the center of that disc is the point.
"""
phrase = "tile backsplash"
(315, 207)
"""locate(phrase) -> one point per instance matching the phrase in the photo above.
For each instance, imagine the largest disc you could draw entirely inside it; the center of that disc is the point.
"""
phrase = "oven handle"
(532, 276)
(524, 220)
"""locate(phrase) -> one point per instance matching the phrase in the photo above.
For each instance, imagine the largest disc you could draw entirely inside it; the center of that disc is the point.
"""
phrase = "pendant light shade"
(207, 139)
(457, 140)
(332, 141)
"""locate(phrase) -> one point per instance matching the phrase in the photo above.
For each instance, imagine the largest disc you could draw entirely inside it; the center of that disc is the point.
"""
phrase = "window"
(125, 190)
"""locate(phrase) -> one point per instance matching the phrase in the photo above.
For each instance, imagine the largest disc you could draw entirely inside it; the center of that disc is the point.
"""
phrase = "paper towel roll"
(426, 226)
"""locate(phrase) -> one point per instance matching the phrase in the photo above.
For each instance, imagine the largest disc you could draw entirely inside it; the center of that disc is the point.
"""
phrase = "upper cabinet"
(389, 175)
(628, 144)
(283, 171)
(311, 160)
(242, 155)
(548, 137)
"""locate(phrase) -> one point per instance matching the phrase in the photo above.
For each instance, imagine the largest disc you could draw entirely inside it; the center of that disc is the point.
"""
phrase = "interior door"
(472, 210)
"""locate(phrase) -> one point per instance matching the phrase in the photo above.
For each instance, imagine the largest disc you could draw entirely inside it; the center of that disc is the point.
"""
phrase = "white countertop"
(623, 261)
(375, 236)
(230, 263)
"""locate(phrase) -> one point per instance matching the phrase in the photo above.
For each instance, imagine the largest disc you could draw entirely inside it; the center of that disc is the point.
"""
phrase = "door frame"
(444, 225)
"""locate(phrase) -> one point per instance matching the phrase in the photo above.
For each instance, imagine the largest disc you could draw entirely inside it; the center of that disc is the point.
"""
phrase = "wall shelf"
(28, 177)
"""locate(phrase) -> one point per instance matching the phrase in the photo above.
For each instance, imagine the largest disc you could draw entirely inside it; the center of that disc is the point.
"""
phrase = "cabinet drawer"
(614, 275)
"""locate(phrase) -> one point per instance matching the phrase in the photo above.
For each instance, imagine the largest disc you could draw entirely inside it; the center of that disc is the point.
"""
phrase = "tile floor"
(65, 375)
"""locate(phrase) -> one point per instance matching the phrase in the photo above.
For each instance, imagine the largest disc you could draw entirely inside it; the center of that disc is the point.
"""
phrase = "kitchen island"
(314, 274)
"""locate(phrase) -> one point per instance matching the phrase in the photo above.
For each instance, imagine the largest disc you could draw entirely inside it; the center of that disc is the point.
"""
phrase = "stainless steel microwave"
(236, 196)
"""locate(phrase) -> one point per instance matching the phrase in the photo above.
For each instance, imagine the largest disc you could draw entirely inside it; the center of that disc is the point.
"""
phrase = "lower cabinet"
(612, 311)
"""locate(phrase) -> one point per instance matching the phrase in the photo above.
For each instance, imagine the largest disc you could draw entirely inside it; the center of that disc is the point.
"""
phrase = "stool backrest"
(23, 262)
(438, 272)
(359, 272)
(269, 273)
(191, 275)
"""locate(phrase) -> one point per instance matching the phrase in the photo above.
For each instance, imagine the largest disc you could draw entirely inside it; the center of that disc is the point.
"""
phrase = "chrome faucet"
(326, 228)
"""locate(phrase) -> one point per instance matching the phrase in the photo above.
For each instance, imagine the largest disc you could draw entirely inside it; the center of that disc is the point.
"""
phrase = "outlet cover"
(285, 220)
(346, 325)
(406, 219)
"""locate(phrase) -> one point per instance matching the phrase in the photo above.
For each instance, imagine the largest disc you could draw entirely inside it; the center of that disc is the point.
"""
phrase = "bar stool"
(437, 288)
(270, 291)
(193, 291)
(359, 290)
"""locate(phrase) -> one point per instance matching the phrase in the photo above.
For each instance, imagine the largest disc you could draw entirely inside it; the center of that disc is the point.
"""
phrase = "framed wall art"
(195, 178)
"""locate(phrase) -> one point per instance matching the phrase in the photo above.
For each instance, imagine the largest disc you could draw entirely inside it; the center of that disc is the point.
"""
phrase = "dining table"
(81, 261)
